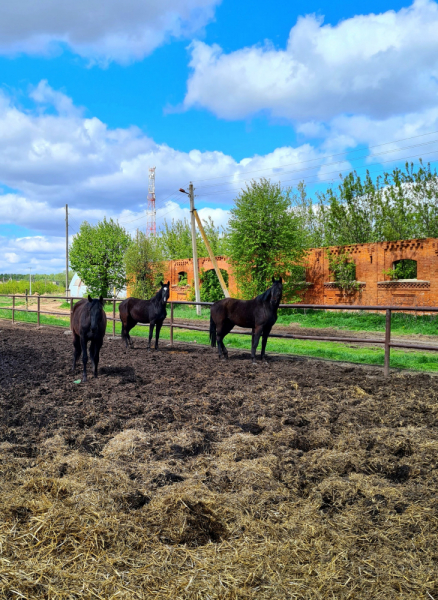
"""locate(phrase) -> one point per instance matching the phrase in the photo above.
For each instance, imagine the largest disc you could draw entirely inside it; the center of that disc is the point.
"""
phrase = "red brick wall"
(174, 267)
(371, 260)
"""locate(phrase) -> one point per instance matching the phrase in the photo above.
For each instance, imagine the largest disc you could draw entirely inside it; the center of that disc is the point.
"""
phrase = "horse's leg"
(130, 324)
(157, 333)
(84, 357)
(255, 341)
(222, 331)
(93, 355)
(77, 349)
(151, 333)
(125, 334)
(265, 335)
(97, 347)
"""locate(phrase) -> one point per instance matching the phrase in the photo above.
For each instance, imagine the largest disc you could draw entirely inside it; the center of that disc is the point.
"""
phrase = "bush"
(211, 290)
(39, 287)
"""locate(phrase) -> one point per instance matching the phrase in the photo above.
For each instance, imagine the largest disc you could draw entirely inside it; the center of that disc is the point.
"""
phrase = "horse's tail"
(212, 332)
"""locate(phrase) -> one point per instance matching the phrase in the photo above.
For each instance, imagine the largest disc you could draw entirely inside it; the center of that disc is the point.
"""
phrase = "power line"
(230, 190)
(320, 157)
(349, 160)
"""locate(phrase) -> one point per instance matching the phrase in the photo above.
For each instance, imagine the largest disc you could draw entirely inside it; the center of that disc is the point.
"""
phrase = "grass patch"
(353, 320)
(401, 359)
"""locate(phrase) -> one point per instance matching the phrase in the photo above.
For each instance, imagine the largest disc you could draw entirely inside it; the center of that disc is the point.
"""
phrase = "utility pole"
(194, 249)
(66, 250)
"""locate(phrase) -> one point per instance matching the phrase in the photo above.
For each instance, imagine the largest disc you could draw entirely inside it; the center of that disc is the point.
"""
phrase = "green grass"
(418, 361)
(353, 321)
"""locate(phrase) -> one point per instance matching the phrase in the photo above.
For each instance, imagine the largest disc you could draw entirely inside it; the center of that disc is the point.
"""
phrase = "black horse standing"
(88, 323)
(153, 311)
(259, 314)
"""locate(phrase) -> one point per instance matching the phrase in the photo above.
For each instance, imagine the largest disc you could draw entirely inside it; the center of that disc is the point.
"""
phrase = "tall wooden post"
(171, 324)
(114, 317)
(211, 255)
(38, 309)
(387, 342)
(194, 249)
(13, 308)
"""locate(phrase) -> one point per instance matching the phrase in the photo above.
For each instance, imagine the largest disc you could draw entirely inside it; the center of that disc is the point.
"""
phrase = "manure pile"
(175, 476)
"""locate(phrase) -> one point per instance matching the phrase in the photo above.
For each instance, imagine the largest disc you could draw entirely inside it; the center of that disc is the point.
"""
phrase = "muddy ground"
(209, 479)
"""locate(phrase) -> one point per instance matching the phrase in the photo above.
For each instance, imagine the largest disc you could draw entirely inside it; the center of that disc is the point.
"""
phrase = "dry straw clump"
(306, 491)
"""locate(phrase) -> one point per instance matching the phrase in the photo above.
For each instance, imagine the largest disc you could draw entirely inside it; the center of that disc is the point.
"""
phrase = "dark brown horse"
(88, 323)
(153, 311)
(258, 314)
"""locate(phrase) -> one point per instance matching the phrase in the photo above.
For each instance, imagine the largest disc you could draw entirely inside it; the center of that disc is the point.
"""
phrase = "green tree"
(144, 266)
(397, 205)
(97, 255)
(176, 239)
(265, 239)
(211, 290)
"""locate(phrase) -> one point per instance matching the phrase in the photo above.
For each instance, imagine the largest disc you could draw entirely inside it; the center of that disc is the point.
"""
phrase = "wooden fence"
(178, 324)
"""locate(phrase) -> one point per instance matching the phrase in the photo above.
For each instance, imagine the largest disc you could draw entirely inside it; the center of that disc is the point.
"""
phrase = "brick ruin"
(371, 261)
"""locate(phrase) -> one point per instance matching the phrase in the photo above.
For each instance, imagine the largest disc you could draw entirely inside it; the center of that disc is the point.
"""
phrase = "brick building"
(371, 261)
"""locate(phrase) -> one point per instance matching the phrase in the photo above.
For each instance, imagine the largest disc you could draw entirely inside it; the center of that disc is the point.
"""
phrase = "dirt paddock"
(174, 475)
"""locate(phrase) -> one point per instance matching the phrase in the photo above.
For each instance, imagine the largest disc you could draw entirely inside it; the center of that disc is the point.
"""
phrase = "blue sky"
(211, 91)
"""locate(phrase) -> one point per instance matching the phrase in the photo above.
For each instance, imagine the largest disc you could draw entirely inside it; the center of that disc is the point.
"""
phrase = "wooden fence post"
(27, 302)
(114, 317)
(387, 342)
(38, 309)
(13, 308)
(171, 324)
(71, 307)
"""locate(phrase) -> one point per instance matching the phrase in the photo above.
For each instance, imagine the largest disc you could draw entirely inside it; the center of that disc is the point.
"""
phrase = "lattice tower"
(151, 225)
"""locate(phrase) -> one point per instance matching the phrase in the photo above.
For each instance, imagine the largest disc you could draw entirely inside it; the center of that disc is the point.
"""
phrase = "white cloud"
(376, 65)
(54, 159)
(100, 30)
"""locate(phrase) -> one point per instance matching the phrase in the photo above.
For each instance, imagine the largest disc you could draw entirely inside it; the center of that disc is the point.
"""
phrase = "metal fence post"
(114, 317)
(387, 342)
(38, 309)
(171, 324)
(13, 308)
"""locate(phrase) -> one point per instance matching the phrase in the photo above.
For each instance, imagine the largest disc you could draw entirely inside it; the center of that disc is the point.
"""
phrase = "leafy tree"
(343, 269)
(144, 266)
(210, 289)
(265, 239)
(401, 204)
(176, 239)
(97, 255)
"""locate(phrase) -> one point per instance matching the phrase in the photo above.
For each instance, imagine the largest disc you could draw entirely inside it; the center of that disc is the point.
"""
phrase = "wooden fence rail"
(175, 324)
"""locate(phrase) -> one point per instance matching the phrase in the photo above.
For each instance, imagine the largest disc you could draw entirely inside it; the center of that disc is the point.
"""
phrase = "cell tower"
(151, 226)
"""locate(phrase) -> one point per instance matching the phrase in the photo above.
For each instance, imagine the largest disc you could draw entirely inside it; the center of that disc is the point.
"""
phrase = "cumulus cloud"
(52, 157)
(378, 65)
(100, 30)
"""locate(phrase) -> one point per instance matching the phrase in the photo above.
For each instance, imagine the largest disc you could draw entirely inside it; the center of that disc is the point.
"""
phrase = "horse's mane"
(265, 296)
(156, 297)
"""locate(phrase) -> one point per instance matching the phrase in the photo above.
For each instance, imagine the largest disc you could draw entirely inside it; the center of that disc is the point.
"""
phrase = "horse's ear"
(90, 299)
(280, 280)
(168, 283)
(273, 279)
(101, 299)
(161, 283)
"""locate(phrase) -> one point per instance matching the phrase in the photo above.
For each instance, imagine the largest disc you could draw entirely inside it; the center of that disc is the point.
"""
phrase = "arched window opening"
(405, 268)
(182, 278)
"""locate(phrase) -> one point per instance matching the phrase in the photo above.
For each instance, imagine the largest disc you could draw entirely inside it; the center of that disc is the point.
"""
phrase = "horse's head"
(276, 291)
(96, 312)
(165, 291)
